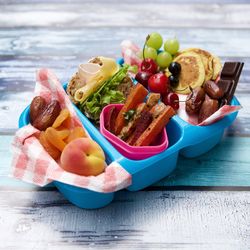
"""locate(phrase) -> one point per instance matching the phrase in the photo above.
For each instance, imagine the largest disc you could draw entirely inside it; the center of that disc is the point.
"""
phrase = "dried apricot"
(63, 134)
(64, 114)
(75, 133)
(67, 123)
(52, 151)
(55, 138)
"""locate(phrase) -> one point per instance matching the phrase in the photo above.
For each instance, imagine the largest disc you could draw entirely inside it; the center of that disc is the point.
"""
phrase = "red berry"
(171, 99)
(143, 77)
(159, 83)
(149, 65)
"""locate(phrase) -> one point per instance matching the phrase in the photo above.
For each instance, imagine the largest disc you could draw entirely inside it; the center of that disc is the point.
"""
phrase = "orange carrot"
(136, 96)
(156, 126)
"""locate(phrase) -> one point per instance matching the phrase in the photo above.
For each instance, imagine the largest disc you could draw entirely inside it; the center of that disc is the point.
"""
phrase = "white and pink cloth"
(219, 114)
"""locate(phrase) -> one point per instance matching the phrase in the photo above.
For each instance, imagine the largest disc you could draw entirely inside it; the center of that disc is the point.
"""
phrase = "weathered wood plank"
(16, 2)
(23, 51)
(222, 166)
(226, 165)
(141, 220)
(97, 14)
(82, 43)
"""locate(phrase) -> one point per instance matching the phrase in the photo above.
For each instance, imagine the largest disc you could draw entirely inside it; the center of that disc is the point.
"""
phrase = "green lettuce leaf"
(105, 95)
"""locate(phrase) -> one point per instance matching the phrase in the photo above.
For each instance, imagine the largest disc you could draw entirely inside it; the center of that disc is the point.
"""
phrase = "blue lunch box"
(184, 139)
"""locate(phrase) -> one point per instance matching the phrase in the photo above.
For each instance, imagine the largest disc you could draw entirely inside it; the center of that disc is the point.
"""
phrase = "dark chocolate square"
(229, 69)
(225, 85)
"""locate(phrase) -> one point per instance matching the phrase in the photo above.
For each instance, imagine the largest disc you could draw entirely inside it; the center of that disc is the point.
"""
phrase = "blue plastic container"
(185, 139)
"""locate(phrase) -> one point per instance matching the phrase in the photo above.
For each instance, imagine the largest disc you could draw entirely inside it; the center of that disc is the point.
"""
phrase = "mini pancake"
(217, 67)
(206, 58)
(192, 72)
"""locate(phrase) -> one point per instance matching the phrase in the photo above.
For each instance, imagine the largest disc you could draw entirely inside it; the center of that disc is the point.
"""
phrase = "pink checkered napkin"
(31, 163)
(218, 115)
(130, 53)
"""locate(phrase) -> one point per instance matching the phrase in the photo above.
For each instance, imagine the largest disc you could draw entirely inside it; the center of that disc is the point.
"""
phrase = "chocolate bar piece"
(229, 69)
(229, 79)
(224, 85)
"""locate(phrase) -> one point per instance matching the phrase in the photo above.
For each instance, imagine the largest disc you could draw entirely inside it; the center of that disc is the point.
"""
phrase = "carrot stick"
(136, 96)
(156, 125)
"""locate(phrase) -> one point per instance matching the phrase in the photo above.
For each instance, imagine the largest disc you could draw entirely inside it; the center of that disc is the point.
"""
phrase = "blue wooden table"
(203, 204)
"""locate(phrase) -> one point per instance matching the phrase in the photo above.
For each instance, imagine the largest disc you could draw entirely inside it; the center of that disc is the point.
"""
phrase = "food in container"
(184, 138)
(98, 83)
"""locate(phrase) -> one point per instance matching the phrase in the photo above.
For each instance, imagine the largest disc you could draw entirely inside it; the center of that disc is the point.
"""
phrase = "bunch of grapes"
(152, 48)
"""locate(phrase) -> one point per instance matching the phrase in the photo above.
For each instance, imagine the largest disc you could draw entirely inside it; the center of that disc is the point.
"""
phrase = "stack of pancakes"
(197, 66)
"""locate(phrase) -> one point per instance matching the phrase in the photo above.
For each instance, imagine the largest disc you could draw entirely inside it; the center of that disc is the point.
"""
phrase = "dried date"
(208, 107)
(48, 116)
(194, 100)
(37, 106)
(213, 90)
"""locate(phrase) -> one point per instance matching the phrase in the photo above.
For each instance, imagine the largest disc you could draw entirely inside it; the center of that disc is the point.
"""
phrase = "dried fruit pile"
(64, 142)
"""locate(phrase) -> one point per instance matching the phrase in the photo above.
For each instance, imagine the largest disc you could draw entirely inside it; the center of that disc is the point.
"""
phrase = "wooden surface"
(141, 220)
(203, 204)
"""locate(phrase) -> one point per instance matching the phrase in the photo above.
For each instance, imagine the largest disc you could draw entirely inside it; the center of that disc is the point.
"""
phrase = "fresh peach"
(83, 156)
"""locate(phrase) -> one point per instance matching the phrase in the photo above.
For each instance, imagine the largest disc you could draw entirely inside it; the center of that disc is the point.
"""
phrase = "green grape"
(164, 59)
(150, 53)
(172, 46)
(155, 40)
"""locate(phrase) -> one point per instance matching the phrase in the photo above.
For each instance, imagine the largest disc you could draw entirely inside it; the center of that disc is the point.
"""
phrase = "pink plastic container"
(132, 152)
